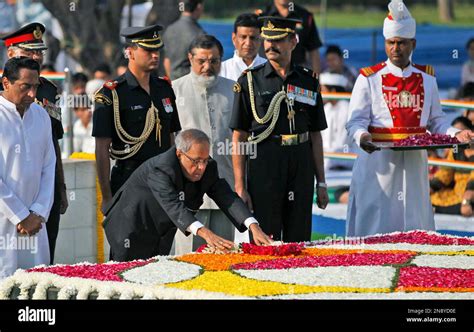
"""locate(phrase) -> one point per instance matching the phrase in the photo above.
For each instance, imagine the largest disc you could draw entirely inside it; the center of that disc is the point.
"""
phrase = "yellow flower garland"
(451, 253)
(230, 283)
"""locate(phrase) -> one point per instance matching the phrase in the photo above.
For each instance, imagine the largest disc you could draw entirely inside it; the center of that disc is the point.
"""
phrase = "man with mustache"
(306, 52)
(247, 41)
(135, 115)
(204, 102)
(390, 101)
(278, 107)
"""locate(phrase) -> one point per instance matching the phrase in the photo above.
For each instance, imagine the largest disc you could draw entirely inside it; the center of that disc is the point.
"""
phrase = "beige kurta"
(208, 109)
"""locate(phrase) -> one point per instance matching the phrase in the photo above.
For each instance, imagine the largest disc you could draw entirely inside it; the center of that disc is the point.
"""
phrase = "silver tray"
(391, 146)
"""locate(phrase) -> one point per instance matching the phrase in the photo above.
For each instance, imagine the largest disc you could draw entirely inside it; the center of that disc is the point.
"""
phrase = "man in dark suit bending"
(164, 194)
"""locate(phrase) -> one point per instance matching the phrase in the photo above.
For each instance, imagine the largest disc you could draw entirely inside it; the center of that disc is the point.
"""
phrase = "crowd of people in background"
(336, 75)
(203, 84)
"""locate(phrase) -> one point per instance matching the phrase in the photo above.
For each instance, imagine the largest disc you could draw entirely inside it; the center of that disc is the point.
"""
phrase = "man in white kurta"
(394, 99)
(27, 165)
(204, 101)
(246, 40)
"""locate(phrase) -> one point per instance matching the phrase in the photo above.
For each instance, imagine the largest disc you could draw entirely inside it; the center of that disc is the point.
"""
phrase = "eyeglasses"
(213, 61)
(197, 162)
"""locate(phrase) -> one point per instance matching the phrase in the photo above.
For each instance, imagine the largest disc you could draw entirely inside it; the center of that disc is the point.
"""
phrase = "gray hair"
(186, 138)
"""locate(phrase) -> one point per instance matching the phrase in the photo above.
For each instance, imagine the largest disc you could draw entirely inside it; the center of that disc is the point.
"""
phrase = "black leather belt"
(288, 140)
(128, 165)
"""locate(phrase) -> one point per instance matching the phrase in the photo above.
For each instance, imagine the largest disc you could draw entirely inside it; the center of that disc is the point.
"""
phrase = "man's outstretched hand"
(214, 240)
(259, 237)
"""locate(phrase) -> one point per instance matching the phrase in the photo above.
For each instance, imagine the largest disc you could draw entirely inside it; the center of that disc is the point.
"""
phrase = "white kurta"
(389, 190)
(27, 166)
(233, 67)
(208, 109)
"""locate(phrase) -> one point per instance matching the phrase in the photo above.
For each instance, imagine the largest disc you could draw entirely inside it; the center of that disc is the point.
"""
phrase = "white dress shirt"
(233, 67)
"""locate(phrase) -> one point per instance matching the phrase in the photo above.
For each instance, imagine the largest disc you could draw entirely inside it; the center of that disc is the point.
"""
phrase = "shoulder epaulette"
(166, 79)
(47, 82)
(308, 71)
(256, 67)
(368, 71)
(426, 69)
(244, 72)
(101, 98)
(251, 69)
(111, 85)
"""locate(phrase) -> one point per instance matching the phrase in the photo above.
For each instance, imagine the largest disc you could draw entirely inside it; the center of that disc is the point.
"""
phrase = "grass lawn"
(358, 17)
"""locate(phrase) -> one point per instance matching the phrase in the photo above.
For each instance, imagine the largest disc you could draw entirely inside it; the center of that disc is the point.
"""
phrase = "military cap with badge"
(29, 37)
(147, 37)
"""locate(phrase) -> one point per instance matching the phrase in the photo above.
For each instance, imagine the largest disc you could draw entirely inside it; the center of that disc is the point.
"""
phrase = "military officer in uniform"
(135, 115)
(307, 49)
(278, 107)
(28, 42)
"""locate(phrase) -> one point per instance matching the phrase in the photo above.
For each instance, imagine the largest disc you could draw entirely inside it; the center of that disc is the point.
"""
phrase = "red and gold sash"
(394, 134)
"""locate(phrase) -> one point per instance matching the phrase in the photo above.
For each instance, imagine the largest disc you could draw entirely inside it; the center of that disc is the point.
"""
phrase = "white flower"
(6, 288)
(162, 272)
(67, 292)
(445, 261)
(41, 289)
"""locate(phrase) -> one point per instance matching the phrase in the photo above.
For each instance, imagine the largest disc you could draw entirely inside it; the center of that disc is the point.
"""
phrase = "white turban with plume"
(399, 22)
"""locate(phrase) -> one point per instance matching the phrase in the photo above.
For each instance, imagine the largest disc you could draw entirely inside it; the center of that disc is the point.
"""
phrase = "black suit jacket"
(158, 198)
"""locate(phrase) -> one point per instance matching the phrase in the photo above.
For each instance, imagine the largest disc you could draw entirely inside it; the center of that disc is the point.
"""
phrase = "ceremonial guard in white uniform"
(390, 101)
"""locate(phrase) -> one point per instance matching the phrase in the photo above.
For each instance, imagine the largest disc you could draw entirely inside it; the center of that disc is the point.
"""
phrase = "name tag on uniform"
(302, 95)
(137, 107)
(167, 105)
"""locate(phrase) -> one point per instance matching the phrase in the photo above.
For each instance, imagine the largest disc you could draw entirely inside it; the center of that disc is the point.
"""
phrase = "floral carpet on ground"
(411, 265)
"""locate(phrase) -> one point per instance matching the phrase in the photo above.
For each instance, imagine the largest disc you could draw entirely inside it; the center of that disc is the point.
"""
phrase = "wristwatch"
(322, 185)
(466, 201)
(39, 216)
